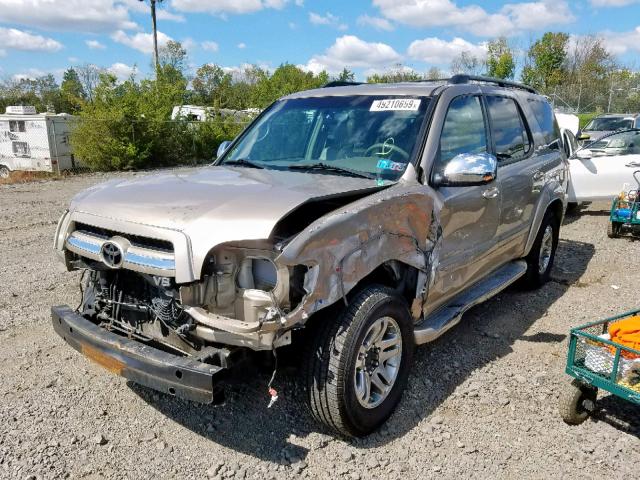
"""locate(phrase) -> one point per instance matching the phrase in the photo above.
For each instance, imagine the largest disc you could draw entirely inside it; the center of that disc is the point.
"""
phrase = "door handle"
(491, 192)
(539, 175)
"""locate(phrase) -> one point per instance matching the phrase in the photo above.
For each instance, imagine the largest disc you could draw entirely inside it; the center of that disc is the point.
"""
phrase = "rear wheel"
(4, 172)
(613, 229)
(359, 362)
(543, 252)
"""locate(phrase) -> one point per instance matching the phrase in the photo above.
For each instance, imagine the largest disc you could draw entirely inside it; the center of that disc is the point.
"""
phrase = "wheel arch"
(555, 205)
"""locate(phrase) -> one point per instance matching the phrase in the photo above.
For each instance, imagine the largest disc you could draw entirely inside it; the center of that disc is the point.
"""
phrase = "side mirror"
(583, 137)
(223, 148)
(584, 154)
(468, 169)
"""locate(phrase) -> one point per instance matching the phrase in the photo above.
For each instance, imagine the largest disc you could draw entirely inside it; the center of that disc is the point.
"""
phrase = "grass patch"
(27, 177)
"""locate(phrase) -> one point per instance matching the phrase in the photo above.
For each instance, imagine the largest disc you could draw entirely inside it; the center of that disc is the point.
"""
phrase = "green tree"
(397, 74)
(545, 62)
(500, 59)
(72, 92)
(346, 75)
(210, 85)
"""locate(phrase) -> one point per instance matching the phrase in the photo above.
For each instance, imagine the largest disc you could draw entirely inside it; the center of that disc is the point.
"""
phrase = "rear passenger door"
(518, 172)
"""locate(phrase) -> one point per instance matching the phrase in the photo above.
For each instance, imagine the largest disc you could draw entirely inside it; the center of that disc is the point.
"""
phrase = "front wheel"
(576, 402)
(613, 229)
(543, 252)
(4, 172)
(359, 363)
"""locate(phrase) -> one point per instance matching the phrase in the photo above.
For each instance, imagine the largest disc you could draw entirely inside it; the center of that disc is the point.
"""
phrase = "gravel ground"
(481, 401)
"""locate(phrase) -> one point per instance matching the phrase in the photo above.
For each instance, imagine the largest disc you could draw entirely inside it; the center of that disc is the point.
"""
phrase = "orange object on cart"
(626, 332)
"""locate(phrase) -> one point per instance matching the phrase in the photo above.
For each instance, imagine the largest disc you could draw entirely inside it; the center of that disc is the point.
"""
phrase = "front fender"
(400, 223)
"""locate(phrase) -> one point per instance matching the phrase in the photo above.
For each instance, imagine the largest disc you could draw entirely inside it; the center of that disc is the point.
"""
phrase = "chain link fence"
(62, 144)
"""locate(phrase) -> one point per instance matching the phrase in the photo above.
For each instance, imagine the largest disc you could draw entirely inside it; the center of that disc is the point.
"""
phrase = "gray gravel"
(481, 401)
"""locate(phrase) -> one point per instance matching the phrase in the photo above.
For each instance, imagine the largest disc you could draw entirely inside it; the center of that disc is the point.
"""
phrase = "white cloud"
(73, 59)
(62, 15)
(14, 39)
(226, 6)
(122, 71)
(242, 45)
(510, 19)
(210, 46)
(29, 74)
(375, 22)
(170, 17)
(538, 15)
(328, 19)
(95, 45)
(142, 42)
(351, 52)
(620, 43)
(436, 51)
(613, 3)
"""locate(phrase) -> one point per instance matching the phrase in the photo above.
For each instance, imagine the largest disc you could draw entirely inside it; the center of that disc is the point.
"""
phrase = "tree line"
(124, 125)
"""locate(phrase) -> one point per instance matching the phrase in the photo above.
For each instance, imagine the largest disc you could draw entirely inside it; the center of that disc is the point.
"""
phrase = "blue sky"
(48, 36)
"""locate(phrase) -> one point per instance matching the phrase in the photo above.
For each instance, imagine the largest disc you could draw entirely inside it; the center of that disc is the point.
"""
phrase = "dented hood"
(221, 203)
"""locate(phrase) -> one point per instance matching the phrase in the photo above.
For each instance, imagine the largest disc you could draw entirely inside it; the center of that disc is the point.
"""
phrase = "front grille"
(136, 240)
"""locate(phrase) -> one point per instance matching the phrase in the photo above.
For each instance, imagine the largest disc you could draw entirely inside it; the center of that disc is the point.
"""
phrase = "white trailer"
(32, 141)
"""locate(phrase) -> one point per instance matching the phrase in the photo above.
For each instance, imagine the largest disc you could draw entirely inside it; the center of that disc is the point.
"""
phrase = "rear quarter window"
(546, 119)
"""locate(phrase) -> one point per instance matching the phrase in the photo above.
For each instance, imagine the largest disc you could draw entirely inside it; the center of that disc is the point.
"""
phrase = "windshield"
(605, 124)
(620, 143)
(372, 135)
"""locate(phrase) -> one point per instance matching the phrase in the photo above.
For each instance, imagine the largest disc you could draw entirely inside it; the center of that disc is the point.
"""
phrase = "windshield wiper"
(243, 162)
(331, 168)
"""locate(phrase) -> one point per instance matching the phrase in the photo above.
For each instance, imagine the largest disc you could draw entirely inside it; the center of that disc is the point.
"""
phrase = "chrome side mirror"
(467, 169)
(223, 148)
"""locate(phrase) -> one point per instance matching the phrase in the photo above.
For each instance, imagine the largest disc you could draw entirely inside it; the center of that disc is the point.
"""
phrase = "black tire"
(4, 172)
(330, 364)
(573, 207)
(576, 402)
(613, 229)
(535, 276)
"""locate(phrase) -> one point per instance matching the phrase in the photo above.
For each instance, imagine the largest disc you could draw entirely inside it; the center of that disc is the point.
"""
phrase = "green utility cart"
(595, 363)
(625, 212)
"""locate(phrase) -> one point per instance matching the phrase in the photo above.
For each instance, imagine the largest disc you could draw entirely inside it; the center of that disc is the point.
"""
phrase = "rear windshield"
(605, 124)
(375, 135)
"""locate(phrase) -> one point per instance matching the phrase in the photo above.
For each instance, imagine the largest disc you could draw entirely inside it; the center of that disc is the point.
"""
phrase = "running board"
(449, 315)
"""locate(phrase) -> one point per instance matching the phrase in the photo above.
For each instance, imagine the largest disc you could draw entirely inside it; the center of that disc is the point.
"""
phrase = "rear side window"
(508, 128)
(547, 121)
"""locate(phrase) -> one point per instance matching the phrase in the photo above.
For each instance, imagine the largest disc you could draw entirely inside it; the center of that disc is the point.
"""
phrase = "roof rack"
(341, 83)
(463, 78)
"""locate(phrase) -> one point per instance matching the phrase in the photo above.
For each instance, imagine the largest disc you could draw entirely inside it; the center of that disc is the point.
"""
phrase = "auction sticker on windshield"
(395, 104)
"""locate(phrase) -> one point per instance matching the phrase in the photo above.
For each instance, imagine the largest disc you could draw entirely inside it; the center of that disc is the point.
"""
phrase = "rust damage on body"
(399, 224)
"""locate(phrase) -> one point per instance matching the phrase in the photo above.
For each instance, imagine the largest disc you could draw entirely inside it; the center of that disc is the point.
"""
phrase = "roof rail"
(341, 83)
(464, 78)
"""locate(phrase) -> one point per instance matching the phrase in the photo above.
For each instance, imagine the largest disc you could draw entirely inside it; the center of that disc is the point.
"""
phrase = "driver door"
(605, 167)
(470, 215)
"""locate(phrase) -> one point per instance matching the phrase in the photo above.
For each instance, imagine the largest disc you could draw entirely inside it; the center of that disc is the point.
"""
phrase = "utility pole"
(156, 62)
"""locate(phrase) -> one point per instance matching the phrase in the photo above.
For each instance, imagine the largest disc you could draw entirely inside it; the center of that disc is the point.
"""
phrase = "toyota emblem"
(112, 254)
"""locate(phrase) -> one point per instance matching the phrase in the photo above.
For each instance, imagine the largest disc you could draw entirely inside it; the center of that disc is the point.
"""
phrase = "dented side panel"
(400, 223)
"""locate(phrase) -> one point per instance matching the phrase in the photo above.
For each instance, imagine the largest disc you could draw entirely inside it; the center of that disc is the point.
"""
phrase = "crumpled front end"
(248, 293)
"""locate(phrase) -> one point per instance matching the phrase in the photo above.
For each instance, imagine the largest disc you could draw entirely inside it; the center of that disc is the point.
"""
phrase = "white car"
(602, 169)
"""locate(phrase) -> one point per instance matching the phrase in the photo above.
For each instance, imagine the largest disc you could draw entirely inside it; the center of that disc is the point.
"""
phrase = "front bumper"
(140, 363)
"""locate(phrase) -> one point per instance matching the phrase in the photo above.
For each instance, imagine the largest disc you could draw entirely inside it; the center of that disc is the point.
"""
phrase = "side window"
(509, 132)
(622, 143)
(463, 130)
(547, 121)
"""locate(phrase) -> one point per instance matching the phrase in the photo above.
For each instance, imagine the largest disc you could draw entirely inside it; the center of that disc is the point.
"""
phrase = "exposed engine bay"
(238, 292)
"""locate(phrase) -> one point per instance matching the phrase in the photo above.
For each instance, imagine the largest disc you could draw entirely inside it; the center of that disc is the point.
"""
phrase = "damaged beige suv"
(361, 219)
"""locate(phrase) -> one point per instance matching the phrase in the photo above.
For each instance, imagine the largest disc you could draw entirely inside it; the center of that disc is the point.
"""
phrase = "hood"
(215, 203)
